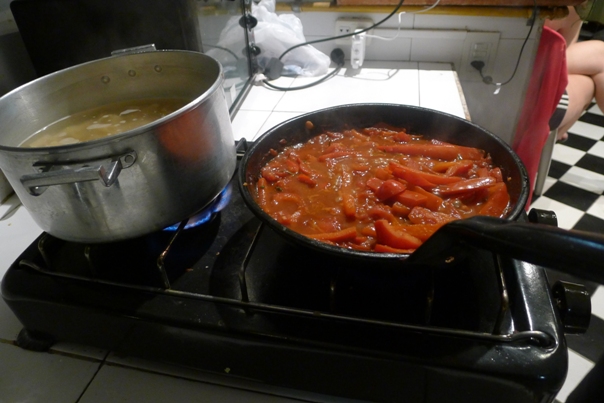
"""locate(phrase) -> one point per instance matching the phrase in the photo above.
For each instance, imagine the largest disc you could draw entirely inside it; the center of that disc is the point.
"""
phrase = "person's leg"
(580, 90)
(587, 58)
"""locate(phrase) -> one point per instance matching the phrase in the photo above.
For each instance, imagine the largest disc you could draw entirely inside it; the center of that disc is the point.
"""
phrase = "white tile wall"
(497, 113)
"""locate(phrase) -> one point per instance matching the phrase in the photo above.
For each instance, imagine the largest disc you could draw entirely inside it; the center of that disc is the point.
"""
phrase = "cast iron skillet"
(573, 252)
(427, 122)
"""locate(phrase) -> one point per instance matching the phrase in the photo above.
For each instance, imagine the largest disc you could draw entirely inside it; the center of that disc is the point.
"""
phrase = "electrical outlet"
(347, 25)
(482, 47)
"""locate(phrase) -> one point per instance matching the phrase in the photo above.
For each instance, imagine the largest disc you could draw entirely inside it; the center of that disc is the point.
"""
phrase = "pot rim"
(130, 133)
(323, 247)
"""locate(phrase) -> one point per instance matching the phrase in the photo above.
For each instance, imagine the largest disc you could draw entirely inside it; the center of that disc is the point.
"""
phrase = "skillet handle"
(577, 253)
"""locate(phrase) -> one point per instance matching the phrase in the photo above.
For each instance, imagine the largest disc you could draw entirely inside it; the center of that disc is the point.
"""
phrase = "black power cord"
(400, 3)
(273, 62)
(479, 65)
(337, 56)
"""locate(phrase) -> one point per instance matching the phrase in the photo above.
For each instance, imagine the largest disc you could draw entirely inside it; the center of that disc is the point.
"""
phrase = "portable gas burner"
(233, 296)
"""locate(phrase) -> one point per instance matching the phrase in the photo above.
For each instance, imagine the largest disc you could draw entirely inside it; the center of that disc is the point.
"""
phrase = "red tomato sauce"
(378, 188)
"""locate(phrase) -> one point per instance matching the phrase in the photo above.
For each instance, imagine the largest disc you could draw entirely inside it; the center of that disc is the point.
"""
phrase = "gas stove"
(232, 297)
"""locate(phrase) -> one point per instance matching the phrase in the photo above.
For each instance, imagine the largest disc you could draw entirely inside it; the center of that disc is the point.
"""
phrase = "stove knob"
(547, 217)
(574, 305)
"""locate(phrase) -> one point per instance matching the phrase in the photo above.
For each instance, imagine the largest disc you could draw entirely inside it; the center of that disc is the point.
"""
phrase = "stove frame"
(221, 314)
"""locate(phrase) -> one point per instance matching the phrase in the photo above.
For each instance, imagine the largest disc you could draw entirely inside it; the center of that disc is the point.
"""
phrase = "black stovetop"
(238, 295)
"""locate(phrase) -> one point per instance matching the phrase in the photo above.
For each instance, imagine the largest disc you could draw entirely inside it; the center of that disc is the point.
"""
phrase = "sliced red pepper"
(413, 178)
(435, 179)
(468, 185)
(374, 184)
(497, 201)
(380, 212)
(307, 180)
(387, 235)
(349, 205)
(433, 202)
(347, 234)
(497, 174)
(399, 209)
(438, 151)
(411, 199)
(292, 166)
(482, 172)
(389, 189)
(383, 173)
(403, 137)
(459, 168)
(420, 178)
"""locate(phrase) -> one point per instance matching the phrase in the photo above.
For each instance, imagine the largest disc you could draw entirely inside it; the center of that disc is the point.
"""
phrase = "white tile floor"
(570, 184)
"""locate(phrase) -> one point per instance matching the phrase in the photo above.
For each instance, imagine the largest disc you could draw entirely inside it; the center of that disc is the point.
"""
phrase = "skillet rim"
(290, 235)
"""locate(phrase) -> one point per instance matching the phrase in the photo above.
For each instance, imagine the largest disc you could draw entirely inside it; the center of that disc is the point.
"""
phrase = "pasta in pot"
(378, 188)
(103, 121)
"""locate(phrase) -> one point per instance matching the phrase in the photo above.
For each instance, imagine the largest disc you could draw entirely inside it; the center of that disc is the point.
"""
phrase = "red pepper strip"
(347, 234)
(421, 231)
(413, 178)
(380, 212)
(442, 166)
(400, 209)
(269, 175)
(388, 249)
(497, 174)
(368, 231)
(292, 166)
(333, 147)
(411, 199)
(349, 205)
(305, 169)
(460, 168)
(383, 173)
(287, 197)
(438, 151)
(307, 179)
(435, 179)
(482, 172)
(389, 189)
(390, 236)
(464, 186)
(497, 201)
(374, 184)
(433, 202)
(402, 137)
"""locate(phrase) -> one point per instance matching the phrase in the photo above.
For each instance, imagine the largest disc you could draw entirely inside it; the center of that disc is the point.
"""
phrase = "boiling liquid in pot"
(104, 121)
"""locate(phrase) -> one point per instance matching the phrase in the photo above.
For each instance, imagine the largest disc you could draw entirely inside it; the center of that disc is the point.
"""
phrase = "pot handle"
(36, 184)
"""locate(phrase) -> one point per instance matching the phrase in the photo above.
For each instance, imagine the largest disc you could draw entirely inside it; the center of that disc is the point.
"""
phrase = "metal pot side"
(129, 184)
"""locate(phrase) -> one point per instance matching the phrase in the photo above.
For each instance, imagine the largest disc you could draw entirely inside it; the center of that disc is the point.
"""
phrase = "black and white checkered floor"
(574, 190)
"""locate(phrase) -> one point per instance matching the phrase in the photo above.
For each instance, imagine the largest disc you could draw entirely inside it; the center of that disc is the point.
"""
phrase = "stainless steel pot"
(128, 184)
